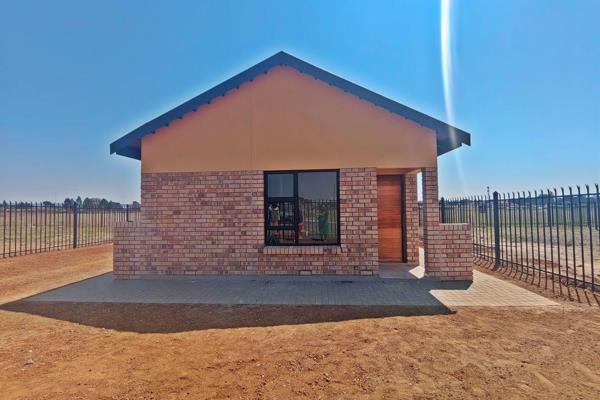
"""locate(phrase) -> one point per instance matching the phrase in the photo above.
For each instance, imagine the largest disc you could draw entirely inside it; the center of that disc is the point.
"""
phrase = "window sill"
(303, 250)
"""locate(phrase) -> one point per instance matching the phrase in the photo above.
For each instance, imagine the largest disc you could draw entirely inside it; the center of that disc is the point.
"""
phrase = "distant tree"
(135, 205)
(68, 203)
(103, 203)
(113, 205)
(79, 201)
(46, 203)
(91, 202)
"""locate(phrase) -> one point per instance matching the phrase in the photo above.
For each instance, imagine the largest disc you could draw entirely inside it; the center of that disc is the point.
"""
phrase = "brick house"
(288, 169)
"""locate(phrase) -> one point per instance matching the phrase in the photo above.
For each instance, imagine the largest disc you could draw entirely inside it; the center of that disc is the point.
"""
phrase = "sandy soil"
(27, 275)
(119, 351)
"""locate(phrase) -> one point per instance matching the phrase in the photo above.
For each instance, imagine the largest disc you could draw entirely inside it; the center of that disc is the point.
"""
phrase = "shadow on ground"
(170, 318)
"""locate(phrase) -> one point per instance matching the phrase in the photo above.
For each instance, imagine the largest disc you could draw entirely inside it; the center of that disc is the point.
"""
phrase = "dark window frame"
(296, 200)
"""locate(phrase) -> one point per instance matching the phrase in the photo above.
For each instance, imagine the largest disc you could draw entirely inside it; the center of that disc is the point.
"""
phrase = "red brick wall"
(212, 223)
(448, 247)
(412, 218)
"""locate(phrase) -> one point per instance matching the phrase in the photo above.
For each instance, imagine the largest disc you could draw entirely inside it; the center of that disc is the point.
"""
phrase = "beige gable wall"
(288, 120)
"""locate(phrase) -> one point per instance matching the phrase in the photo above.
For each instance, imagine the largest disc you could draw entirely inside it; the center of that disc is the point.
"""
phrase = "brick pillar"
(412, 218)
(448, 247)
(431, 213)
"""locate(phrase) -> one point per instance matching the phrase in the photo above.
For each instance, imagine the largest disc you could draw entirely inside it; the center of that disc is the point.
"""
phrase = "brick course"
(200, 223)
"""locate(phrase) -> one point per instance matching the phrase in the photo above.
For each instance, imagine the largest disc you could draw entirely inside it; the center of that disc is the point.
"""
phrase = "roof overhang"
(448, 137)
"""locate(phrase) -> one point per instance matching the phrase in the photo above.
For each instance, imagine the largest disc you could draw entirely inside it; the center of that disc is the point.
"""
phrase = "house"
(289, 169)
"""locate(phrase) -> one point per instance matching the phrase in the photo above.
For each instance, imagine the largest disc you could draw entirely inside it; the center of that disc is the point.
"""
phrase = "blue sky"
(74, 76)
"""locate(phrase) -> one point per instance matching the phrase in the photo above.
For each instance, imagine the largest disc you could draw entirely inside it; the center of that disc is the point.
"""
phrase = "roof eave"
(452, 139)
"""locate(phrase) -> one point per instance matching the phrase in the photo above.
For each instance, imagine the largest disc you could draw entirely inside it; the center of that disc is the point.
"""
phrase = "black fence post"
(75, 225)
(443, 210)
(127, 213)
(597, 208)
(496, 229)
(4, 229)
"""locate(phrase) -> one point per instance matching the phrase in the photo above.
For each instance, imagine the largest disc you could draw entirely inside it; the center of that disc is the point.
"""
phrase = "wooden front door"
(389, 217)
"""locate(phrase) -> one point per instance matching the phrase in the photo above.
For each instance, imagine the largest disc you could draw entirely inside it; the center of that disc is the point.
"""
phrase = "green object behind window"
(324, 222)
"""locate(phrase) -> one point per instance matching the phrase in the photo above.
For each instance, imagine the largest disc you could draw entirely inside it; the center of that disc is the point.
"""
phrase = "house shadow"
(172, 318)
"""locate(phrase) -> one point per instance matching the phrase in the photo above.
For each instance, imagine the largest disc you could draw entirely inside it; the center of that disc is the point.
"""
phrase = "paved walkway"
(426, 294)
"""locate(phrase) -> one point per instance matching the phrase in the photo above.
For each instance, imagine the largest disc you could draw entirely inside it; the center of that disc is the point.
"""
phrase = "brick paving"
(427, 295)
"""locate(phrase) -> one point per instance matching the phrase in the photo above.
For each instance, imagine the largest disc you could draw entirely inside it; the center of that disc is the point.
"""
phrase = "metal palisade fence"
(552, 235)
(27, 228)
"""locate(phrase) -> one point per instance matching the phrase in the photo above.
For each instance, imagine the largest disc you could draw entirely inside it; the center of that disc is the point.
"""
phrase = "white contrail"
(446, 47)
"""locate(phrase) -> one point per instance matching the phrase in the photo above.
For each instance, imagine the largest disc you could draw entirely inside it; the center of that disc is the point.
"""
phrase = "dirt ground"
(27, 275)
(133, 351)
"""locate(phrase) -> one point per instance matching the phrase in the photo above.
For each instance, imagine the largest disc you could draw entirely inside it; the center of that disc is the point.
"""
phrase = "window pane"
(318, 214)
(280, 214)
(280, 185)
(280, 237)
(281, 228)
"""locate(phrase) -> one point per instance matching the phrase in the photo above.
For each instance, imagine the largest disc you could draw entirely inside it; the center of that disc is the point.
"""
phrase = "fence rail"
(548, 234)
(27, 228)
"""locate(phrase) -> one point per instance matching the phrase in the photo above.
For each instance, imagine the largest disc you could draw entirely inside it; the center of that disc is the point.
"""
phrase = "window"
(302, 208)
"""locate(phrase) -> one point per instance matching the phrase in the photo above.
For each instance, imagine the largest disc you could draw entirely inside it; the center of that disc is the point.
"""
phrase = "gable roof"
(448, 137)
